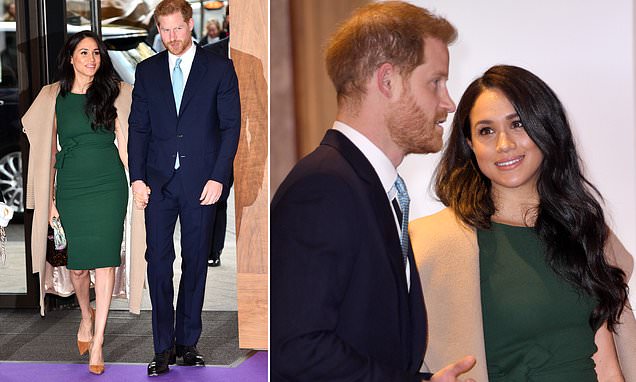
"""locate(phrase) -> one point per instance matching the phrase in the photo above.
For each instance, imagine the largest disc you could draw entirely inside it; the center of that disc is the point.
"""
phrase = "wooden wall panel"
(249, 50)
(283, 147)
(312, 23)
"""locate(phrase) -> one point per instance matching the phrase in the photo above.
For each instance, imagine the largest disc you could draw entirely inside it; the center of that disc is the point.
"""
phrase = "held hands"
(141, 194)
(211, 193)
(452, 371)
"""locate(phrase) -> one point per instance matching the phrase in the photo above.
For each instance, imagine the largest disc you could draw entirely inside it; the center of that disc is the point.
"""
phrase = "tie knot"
(400, 186)
(178, 63)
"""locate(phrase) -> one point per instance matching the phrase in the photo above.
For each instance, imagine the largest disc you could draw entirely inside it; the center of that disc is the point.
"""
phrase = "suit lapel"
(165, 84)
(378, 199)
(411, 303)
(195, 77)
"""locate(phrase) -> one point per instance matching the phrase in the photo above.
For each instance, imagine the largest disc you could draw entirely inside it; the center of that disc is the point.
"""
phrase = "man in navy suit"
(184, 129)
(346, 300)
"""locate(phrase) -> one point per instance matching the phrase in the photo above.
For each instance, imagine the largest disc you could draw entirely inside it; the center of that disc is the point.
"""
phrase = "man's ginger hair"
(387, 32)
(168, 7)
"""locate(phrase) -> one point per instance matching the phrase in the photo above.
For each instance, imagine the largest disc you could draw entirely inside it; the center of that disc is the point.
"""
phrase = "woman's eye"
(517, 124)
(484, 131)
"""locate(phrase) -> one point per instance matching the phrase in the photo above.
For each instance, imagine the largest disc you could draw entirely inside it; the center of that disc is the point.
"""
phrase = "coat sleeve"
(138, 127)
(625, 336)
(229, 110)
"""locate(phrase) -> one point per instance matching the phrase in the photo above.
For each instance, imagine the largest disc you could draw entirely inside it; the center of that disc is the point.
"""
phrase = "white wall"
(585, 51)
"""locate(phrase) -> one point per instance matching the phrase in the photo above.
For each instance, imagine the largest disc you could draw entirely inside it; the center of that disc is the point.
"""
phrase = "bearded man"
(346, 300)
(185, 121)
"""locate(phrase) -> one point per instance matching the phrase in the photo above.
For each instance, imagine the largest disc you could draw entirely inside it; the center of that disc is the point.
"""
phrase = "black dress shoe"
(159, 364)
(191, 356)
(215, 259)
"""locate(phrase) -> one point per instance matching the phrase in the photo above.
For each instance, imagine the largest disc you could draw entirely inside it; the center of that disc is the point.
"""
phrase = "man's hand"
(141, 194)
(211, 193)
(452, 371)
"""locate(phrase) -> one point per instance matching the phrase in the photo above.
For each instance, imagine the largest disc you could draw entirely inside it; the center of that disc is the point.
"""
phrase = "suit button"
(182, 156)
(179, 135)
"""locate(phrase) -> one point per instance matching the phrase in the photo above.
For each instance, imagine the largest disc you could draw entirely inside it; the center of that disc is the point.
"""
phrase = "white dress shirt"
(186, 63)
(382, 166)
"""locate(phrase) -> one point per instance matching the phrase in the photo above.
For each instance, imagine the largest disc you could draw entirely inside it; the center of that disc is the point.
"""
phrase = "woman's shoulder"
(441, 220)
(49, 91)
(125, 94)
(125, 87)
(441, 231)
(617, 255)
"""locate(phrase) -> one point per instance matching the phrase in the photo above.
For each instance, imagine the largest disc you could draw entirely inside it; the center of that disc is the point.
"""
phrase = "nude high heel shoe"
(97, 368)
(84, 346)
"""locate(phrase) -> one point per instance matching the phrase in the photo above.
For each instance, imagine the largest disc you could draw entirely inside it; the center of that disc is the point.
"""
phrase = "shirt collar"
(186, 58)
(379, 161)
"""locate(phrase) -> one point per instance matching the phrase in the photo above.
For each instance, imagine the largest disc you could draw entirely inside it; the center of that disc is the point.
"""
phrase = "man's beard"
(176, 47)
(413, 129)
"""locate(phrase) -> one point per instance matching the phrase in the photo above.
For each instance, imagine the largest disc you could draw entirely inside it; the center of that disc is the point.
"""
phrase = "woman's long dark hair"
(101, 95)
(570, 221)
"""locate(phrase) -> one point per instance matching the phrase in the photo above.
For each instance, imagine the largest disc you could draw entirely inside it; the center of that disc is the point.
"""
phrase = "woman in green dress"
(89, 195)
(551, 300)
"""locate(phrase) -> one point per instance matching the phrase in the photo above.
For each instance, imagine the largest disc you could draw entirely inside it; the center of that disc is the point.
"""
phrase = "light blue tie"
(177, 91)
(177, 84)
(403, 200)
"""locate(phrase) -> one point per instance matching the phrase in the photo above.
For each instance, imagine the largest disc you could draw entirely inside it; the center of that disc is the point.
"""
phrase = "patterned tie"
(403, 199)
(177, 91)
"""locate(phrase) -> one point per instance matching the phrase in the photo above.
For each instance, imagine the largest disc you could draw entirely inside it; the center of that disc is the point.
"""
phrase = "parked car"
(127, 48)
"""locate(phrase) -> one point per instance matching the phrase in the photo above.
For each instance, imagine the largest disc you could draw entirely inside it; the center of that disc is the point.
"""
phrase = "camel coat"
(38, 126)
(447, 258)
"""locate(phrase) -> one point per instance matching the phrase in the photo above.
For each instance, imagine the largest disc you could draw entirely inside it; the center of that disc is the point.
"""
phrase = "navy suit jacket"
(205, 133)
(340, 308)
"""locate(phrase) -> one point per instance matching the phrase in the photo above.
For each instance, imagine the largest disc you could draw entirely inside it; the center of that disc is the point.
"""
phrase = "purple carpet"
(253, 369)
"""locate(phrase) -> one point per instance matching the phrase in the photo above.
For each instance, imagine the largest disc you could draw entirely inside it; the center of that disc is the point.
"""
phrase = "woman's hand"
(53, 213)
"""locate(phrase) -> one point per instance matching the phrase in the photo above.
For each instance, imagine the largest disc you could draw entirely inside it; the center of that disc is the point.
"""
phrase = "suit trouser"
(196, 221)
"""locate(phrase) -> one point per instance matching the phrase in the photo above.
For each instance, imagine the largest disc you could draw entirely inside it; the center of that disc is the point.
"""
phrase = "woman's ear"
(470, 144)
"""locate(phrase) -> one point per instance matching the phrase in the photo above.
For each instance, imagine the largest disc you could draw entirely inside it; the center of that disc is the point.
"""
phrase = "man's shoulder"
(209, 57)
(325, 171)
(152, 61)
(220, 48)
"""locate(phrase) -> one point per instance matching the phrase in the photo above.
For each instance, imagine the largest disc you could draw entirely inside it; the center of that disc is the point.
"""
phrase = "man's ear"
(384, 76)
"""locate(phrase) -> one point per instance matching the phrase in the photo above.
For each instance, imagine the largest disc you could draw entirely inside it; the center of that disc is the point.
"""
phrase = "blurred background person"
(213, 30)
(9, 11)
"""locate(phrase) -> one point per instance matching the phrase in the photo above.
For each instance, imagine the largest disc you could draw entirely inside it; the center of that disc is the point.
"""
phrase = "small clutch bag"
(6, 213)
(56, 252)
(59, 239)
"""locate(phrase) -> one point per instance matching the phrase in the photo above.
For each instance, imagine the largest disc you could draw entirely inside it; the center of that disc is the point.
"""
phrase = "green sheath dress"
(535, 324)
(91, 188)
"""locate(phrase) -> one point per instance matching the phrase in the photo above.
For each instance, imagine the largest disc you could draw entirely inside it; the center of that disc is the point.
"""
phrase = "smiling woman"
(504, 151)
(86, 111)
(524, 230)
